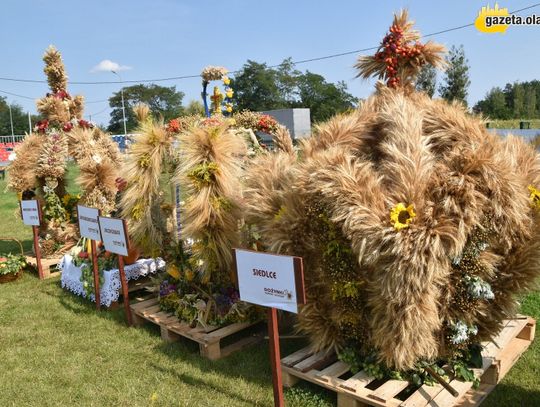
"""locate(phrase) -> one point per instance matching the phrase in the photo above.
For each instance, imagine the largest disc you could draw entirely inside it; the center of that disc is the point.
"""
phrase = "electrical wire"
(303, 61)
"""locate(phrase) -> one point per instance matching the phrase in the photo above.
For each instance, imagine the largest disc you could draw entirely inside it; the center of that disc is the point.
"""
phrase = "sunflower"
(401, 216)
(534, 197)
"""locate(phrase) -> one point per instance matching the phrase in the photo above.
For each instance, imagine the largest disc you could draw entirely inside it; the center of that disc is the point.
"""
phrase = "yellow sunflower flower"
(534, 197)
(173, 271)
(226, 80)
(66, 199)
(401, 216)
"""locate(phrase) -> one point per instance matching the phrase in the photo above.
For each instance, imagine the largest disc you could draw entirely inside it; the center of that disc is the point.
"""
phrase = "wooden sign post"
(31, 216)
(276, 282)
(89, 228)
(115, 240)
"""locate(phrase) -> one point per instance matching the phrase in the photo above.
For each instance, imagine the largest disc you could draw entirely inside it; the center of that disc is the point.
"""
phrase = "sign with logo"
(88, 222)
(270, 280)
(30, 212)
(113, 234)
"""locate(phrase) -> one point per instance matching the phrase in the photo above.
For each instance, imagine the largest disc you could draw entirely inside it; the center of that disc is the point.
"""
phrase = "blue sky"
(164, 38)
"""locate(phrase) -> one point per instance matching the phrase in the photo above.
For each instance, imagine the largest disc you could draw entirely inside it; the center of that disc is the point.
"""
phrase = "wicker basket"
(7, 278)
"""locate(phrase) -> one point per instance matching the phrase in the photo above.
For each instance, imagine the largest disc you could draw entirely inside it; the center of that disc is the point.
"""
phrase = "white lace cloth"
(110, 290)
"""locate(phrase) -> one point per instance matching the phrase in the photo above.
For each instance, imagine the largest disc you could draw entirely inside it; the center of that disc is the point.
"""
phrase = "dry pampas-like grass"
(22, 171)
(142, 200)
(209, 175)
(412, 219)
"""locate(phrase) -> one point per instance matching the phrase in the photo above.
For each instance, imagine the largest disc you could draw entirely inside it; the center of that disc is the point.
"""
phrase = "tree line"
(518, 100)
(19, 116)
(256, 87)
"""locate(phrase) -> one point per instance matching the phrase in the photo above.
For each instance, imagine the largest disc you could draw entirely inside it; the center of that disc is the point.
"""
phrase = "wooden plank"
(179, 327)
(167, 335)
(358, 381)
(422, 396)
(475, 397)
(445, 399)
(149, 311)
(528, 331)
(211, 351)
(511, 329)
(144, 304)
(333, 372)
(240, 344)
(217, 334)
(360, 395)
(389, 389)
(288, 380)
(510, 354)
(296, 357)
(317, 361)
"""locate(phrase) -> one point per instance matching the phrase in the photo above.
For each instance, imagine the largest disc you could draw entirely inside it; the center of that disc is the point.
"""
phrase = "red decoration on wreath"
(42, 126)
(396, 52)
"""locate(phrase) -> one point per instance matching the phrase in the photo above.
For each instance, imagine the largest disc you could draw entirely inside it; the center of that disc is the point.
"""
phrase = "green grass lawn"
(56, 350)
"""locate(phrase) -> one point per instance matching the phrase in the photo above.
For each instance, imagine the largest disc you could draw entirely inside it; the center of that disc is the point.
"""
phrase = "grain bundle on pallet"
(417, 226)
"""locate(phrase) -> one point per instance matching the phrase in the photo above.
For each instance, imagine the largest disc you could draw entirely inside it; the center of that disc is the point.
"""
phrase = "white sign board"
(30, 212)
(113, 233)
(267, 279)
(88, 222)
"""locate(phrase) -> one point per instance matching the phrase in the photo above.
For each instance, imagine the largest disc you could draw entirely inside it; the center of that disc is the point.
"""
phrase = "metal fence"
(12, 139)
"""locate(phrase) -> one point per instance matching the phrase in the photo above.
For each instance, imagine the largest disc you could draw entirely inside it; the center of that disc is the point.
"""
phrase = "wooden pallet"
(360, 389)
(209, 338)
(49, 265)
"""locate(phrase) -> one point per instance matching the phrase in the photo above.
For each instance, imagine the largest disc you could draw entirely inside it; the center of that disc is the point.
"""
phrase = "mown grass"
(56, 350)
(513, 123)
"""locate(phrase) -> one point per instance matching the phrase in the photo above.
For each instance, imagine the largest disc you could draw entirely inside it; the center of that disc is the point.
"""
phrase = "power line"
(303, 61)
(31, 98)
(14, 94)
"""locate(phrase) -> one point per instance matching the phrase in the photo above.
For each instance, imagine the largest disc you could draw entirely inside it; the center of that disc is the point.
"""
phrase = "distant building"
(298, 121)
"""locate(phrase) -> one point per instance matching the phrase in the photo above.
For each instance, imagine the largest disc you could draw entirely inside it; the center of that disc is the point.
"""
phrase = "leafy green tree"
(531, 110)
(163, 101)
(494, 105)
(456, 76)
(518, 100)
(427, 80)
(20, 119)
(195, 108)
(323, 98)
(256, 88)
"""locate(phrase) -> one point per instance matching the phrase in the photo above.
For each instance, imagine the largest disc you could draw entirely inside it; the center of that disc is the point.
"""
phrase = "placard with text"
(88, 222)
(114, 235)
(270, 280)
(30, 212)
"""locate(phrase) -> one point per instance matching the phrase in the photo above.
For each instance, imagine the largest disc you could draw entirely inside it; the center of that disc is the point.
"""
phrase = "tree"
(163, 101)
(456, 77)
(256, 88)
(427, 80)
(20, 119)
(518, 100)
(195, 108)
(323, 98)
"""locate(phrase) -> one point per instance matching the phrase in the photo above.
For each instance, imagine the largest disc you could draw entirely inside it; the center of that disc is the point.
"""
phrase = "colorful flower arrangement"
(82, 257)
(12, 264)
(184, 292)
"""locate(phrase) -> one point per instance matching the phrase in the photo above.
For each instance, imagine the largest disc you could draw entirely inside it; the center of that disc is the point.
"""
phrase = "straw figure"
(41, 160)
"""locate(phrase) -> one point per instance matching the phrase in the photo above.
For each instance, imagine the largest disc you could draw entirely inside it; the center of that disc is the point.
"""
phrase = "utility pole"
(11, 121)
(123, 105)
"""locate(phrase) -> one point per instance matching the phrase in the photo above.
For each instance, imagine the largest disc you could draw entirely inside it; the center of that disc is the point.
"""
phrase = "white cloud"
(107, 65)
